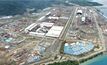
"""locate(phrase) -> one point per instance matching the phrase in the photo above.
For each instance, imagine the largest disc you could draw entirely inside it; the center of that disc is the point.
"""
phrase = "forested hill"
(14, 7)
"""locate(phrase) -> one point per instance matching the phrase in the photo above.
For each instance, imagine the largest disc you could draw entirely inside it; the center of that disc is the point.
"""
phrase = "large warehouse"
(44, 28)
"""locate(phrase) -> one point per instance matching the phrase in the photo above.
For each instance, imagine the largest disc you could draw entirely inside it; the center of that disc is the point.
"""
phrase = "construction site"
(36, 39)
(32, 38)
(83, 38)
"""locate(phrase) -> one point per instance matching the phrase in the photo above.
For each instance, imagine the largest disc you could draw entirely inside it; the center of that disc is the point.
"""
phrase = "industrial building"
(55, 31)
(38, 29)
(44, 28)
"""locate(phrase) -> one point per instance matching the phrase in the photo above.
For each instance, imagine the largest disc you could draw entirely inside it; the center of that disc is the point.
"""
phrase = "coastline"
(102, 11)
(95, 60)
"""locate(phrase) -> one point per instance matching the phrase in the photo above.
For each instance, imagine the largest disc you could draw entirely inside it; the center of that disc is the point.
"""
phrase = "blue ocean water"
(103, 8)
(100, 60)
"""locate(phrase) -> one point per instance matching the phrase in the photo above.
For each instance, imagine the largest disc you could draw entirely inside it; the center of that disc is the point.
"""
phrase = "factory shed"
(53, 17)
(30, 27)
(46, 24)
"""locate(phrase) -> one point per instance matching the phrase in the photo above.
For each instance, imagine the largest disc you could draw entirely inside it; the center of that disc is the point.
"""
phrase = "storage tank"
(83, 19)
(79, 12)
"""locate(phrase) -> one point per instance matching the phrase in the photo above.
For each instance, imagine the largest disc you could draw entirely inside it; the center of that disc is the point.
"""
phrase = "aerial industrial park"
(56, 34)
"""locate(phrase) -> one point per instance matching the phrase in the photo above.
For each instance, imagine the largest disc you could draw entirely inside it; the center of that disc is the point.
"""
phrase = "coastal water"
(100, 60)
(103, 8)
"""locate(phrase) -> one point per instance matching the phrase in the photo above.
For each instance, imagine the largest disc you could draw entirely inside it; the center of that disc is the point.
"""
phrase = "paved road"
(57, 43)
(62, 37)
(69, 22)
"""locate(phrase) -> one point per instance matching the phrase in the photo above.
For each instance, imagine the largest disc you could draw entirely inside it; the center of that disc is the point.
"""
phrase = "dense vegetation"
(13, 7)
(66, 63)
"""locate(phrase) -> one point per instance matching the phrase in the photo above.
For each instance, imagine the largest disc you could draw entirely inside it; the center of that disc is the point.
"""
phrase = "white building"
(39, 30)
(30, 27)
(55, 31)
(79, 12)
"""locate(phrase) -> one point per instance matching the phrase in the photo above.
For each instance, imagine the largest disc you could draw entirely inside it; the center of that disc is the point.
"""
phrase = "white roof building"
(38, 31)
(30, 27)
(55, 31)
(41, 18)
(46, 24)
(53, 17)
(79, 11)
(66, 44)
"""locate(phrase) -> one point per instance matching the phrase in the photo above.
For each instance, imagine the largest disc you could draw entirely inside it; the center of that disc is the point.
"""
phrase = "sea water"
(100, 60)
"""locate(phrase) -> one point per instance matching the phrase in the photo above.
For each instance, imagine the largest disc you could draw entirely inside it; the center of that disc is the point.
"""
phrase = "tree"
(66, 63)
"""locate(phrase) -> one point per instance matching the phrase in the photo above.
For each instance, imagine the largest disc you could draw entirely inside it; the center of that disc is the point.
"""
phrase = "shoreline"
(101, 12)
(90, 60)
(96, 59)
